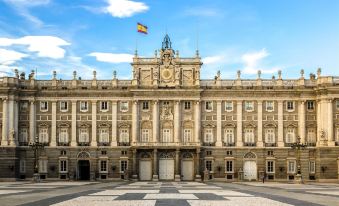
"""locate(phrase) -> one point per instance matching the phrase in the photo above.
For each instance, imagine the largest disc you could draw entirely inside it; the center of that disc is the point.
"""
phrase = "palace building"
(168, 124)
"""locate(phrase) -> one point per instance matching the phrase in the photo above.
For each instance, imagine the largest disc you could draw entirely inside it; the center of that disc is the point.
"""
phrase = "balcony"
(250, 144)
(23, 143)
(103, 143)
(124, 144)
(84, 144)
(228, 144)
(270, 144)
(63, 143)
(288, 144)
(208, 144)
(311, 144)
(166, 144)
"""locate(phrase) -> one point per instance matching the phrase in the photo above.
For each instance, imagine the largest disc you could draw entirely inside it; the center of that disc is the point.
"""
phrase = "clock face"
(166, 74)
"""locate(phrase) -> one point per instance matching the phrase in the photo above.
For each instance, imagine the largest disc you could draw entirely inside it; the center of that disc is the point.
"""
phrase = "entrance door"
(145, 169)
(166, 169)
(187, 169)
(250, 170)
(84, 169)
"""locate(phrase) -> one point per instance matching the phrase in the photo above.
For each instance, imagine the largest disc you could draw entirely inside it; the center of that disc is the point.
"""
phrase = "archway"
(250, 166)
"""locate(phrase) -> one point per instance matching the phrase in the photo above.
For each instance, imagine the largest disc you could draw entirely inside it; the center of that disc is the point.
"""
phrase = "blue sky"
(246, 35)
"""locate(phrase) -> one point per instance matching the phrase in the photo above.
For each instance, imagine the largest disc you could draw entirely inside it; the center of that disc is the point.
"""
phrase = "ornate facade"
(168, 124)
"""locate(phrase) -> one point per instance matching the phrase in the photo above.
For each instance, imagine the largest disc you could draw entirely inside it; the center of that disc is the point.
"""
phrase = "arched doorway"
(166, 166)
(187, 166)
(84, 167)
(250, 166)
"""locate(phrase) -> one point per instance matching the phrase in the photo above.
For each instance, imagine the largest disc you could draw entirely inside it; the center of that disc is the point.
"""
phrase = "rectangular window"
(123, 106)
(269, 136)
(249, 135)
(249, 106)
(269, 106)
(43, 106)
(187, 135)
(63, 166)
(311, 136)
(290, 135)
(290, 106)
(145, 135)
(270, 166)
(145, 105)
(229, 166)
(166, 135)
(43, 135)
(208, 165)
(165, 103)
(103, 166)
(84, 137)
(291, 166)
(104, 106)
(228, 106)
(83, 106)
(229, 153)
(104, 135)
(124, 135)
(63, 106)
(23, 136)
(208, 136)
(310, 105)
(63, 136)
(22, 166)
(43, 166)
(209, 106)
(123, 165)
(229, 136)
(312, 167)
(187, 105)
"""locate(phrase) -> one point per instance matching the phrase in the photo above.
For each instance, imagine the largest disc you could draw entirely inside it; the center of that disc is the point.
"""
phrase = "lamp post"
(298, 146)
(36, 147)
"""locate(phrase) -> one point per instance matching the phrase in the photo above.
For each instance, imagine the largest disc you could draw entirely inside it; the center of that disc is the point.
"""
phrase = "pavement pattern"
(167, 193)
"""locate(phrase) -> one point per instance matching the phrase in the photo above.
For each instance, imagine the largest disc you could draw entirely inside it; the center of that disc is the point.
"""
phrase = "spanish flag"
(142, 28)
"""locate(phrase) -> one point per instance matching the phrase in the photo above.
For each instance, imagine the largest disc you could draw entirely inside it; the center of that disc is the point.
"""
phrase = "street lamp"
(36, 147)
(298, 146)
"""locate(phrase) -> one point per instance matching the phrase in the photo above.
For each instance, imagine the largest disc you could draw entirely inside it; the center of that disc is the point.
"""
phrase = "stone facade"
(168, 124)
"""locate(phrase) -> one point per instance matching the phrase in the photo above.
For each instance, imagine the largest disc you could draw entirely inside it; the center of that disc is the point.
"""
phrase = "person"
(263, 178)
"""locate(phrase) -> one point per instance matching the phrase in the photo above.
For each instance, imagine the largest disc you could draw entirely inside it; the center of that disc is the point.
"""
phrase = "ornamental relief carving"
(64, 124)
(85, 125)
(187, 124)
(145, 116)
(270, 125)
(44, 124)
(229, 125)
(291, 124)
(166, 113)
(167, 125)
(209, 125)
(146, 125)
(187, 117)
(250, 125)
(124, 125)
(104, 125)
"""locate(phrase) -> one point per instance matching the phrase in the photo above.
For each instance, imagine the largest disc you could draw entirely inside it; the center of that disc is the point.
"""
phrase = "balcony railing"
(149, 144)
(250, 144)
(103, 143)
(209, 144)
(83, 144)
(229, 144)
(63, 143)
(311, 144)
(270, 144)
(288, 144)
(124, 144)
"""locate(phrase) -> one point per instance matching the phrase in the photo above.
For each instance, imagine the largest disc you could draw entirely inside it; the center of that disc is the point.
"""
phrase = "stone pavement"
(167, 193)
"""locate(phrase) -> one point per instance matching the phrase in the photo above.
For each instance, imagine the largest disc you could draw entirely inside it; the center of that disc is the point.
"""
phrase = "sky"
(231, 35)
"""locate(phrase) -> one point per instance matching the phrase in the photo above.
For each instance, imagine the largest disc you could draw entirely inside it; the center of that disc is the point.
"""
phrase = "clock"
(166, 73)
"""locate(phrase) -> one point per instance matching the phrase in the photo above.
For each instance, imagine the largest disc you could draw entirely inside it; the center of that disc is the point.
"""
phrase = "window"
(290, 135)
(166, 135)
(311, 137)
(208, 136)
(104, 135)
(123, 152)
(249, 106)
(229, 136)
(229, 153)
(208, 153)
(209, 106)
(269, 136)
(270, 153)
(310, 105)
(165, 103)
(269, 106)
(84, 137)
(63, 152)
(123, 165)
(63, 136)
(249, 135)
(104, 106)
(187, 105)
(229, 166)
(270, 166)
(290, 106)
(22, 166)
(145, 135)
(124, 135)
(103, 152)
(103, 165)
(23, 106)
(23, 137)
(43, 106)
(43, 166)
(145, 105)
(84, 106)
(63, 166)
(43, 135)
(187, 135)
(228, 106)
(208, 165)
(312, 166)
(291, 166)
(63, 106)
(123, 106)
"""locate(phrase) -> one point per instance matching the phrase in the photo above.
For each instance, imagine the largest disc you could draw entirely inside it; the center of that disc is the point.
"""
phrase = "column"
(176, 132)
(239, 124)
(53, 135)
(260, 134)
(74, 124)
(331, 141)
(197, 122)
(11, 112)
(114, 123)
(280, 123)
(134, 160)
(219, 127)
(94, 142)
(197, 166)
(177, 161)
(319, 122)
(302, 121)
(155, 121)
(32, 121)
(4, 123)
(16, 122)
(135, 118)
(155, 165)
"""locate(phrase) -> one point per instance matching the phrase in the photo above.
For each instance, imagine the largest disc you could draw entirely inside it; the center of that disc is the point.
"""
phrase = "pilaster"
(53, 135)
(94, 124)
(155, 165)
(219, 127)
(74, 124)
(11, 131)
(177, 121)
(135, 117)
(302, 121)
(330, 132)
(260, 133)
(155, 121)
(32, 122)
(4, 139)
(177, 161)
(280, 123)
(239, 124)
(114, 123)
(197, 122)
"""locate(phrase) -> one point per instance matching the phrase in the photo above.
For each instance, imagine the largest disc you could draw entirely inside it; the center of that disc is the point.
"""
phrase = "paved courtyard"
(167, 193)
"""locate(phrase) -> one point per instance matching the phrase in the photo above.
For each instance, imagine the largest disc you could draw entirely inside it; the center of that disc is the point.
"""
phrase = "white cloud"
(112, 58)
(124, 8)
(45, 46)
(252, 62)
(8, 57)
(212, 59)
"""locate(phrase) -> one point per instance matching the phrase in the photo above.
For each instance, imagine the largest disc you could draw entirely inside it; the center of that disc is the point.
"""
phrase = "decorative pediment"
(64, 124)
(124, 125)
(188, 124)
(167, 124)
(146, 125)
(230, 124)
(209, 125)
(270, 125)
(250, 155)
(294, 125)
(84, 125)
(84, 155)
(311, 125)
(187, 155)
(250, 125)
(22, 125)
(104, 125)
(145, 155)
(187, 116)
(43, 124)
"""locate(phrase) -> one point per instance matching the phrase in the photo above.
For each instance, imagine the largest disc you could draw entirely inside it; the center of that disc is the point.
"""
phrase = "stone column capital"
(94, 101)
(197, 102)
(155, 102)
(74, 101)
(259, 101)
